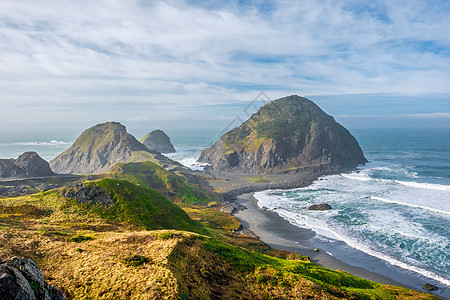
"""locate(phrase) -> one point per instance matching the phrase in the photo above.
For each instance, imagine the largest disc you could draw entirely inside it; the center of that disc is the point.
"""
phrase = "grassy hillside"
(208, 269)
(140, 206)
(177, 187)
(95, 251)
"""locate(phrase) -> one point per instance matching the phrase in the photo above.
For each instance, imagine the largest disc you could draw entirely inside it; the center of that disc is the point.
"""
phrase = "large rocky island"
(286, 135)
(99, 148)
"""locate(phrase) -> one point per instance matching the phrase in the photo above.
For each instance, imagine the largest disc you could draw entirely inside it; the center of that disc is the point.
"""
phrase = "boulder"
(322, 206)
(21, 279)
(429, 287)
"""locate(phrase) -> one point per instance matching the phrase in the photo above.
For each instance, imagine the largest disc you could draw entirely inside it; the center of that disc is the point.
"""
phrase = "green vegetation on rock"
(286, 134)
(207, 267)
(140, 206)
(178, 188)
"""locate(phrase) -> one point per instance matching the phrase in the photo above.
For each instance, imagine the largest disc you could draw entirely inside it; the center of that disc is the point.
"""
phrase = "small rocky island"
(287, 135)
(159, 141)
(29, 164)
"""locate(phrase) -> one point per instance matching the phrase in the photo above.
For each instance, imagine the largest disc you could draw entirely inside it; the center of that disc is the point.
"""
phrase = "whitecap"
(429, 186)
(410, 205)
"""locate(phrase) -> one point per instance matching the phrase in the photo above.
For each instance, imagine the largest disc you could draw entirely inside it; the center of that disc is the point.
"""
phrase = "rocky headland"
(158, 140)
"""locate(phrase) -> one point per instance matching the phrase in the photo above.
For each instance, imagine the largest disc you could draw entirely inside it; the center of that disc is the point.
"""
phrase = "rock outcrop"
(159, 141)
(98, 149)
(321, 206)
(90, 194)
(429, 287)
(29, 164)
(21, 278)
(286, 135)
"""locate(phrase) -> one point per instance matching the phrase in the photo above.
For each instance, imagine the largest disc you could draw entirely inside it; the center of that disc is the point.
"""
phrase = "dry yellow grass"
(95, 269)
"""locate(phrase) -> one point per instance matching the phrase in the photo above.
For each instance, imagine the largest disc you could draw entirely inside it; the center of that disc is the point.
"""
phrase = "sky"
(67, 65)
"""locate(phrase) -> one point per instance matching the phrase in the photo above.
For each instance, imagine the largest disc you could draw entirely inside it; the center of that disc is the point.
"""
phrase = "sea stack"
(29, 164)
(159, 141)
(98, 149)
(286, 135)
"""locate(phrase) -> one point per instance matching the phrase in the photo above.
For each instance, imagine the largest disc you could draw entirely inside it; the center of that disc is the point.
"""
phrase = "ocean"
(396, 208)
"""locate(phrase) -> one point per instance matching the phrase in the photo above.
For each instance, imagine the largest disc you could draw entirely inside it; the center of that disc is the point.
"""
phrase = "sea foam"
(410, 205)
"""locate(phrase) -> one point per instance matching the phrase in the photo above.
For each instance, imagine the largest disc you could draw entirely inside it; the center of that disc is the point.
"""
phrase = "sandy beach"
(280, 234)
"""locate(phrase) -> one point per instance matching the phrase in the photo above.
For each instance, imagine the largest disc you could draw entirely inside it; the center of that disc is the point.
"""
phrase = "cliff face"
(29, 164)
(159, 141)
(98, 149)
(285, 135)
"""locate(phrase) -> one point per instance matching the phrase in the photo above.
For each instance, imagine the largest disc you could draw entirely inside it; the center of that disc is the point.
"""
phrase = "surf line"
(410, 205)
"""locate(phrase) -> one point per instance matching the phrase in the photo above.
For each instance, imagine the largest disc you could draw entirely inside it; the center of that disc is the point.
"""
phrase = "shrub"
(135, 261)
(80, 238)
(165, 235)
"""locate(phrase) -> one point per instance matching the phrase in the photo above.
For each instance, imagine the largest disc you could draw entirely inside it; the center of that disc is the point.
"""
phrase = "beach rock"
(159, 141)
(429, 287)
(291, 134)
(322, 206)
(21, 278)
(29, 164)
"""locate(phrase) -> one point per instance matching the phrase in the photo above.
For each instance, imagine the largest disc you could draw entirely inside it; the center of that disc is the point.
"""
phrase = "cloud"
(66, 59)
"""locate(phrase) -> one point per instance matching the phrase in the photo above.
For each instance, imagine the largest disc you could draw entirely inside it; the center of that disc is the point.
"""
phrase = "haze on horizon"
(191, 64)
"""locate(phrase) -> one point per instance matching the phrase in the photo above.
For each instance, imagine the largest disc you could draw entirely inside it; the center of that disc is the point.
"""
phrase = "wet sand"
(280, 234)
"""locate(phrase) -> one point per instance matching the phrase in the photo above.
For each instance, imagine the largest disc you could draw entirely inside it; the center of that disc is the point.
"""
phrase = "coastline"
(278, 233)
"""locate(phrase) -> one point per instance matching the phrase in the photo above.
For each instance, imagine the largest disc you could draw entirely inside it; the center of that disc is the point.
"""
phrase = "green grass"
(141, 206)
(217, 267)
(80, 238)
(135, 260)
(166, 235)
(256, 179)
(150, 175)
